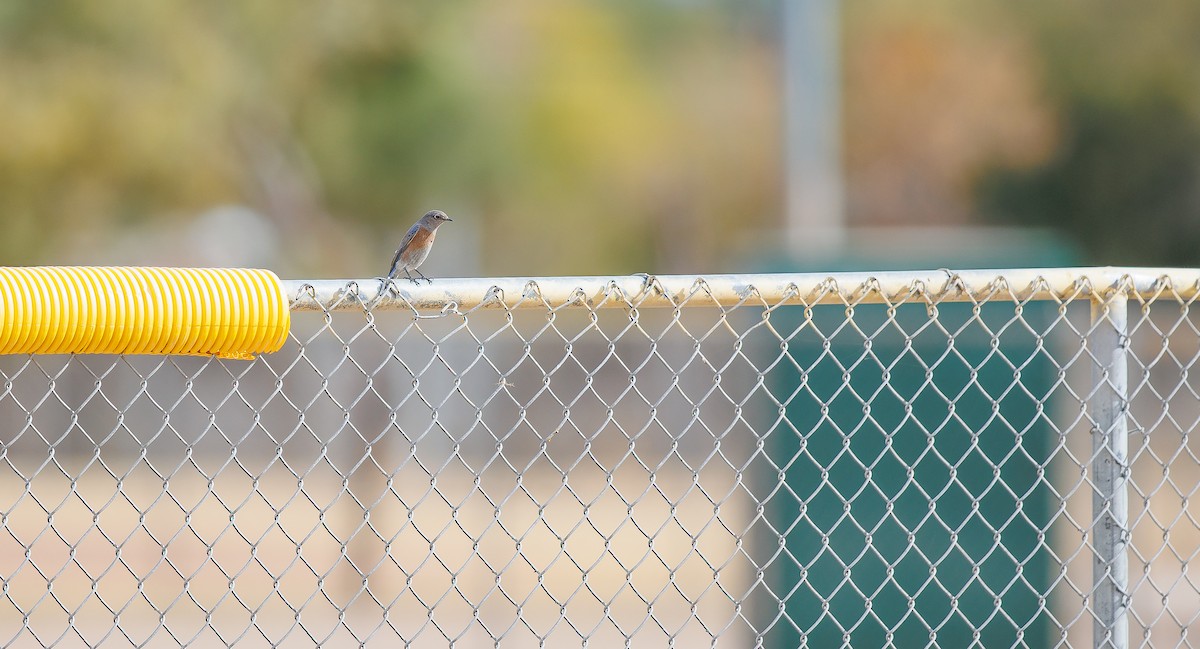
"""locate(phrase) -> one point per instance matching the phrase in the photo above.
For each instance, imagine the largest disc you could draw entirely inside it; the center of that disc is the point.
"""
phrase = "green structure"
(915, 459)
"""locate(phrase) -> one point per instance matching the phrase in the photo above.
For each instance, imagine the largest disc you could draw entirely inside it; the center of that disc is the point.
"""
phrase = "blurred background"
(564, 137)
(583, 137)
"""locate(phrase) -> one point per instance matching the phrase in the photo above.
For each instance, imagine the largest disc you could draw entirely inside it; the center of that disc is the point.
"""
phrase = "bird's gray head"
(434, 218)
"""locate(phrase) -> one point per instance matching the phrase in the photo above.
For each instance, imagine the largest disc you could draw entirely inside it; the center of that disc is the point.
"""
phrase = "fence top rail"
(770, 289)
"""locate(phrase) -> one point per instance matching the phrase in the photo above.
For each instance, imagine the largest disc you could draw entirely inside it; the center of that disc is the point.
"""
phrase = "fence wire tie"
(306, 289)
(387, 285)
(1040, 284)
(863, 291)
(953, 281)
(917, 290)
(790, 292)
(1126, 284)
(1000, 286)
(530, 291)
(829, 286)
(1085, 286)
(1162, 284)
(349, 290)
(651, 285)
(494, 294)
(700, 285)
(612, 293)
(747, 291)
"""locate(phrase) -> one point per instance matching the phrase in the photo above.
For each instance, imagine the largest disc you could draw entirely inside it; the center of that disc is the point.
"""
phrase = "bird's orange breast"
(422, 238)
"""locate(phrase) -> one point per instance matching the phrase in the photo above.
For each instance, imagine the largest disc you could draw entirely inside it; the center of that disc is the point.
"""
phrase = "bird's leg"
(410, 277)
(423, 275)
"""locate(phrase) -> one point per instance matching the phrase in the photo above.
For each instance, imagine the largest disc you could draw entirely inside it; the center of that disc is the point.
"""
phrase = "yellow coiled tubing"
(229, 312)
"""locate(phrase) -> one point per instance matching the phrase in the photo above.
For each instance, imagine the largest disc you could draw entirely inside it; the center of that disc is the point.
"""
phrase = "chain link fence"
(990, 458)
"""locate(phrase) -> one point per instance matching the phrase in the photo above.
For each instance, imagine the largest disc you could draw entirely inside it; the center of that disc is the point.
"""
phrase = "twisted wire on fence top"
(774, 288)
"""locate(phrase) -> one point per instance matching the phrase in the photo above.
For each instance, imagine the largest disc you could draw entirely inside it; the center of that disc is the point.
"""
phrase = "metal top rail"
(641, 290)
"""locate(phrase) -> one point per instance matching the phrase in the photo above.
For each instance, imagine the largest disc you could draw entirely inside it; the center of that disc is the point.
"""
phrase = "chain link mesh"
(791, 469)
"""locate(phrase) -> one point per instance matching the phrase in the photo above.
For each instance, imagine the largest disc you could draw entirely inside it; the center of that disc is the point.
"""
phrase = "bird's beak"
(449, 219)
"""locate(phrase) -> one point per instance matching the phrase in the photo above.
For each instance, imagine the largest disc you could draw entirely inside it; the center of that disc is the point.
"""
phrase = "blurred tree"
(1125, 183)
(563, 128)
(1125, 179)
(608, 151)
(933, 95)
(589, 137)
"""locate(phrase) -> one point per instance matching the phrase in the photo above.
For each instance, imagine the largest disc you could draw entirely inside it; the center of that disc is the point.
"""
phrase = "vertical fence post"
(1108, 342)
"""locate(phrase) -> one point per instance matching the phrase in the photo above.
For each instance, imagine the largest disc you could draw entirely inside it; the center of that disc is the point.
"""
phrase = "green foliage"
(560, 129)
(1125, 179)
(1125, 182)
(591, 137)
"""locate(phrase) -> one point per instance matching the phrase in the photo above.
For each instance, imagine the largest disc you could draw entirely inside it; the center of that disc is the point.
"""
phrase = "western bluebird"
(415, 246)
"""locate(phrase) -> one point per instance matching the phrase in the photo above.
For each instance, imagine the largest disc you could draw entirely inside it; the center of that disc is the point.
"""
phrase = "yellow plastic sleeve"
(227, 312)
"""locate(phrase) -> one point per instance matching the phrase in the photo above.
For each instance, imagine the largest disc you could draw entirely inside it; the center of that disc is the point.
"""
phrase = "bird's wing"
(408, 237)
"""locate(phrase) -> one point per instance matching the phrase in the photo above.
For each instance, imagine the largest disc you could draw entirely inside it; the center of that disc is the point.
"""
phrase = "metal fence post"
(1108, 342)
